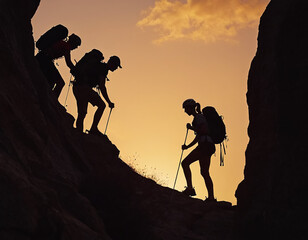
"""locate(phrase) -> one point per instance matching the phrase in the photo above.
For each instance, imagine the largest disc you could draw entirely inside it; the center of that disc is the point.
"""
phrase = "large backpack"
(217, 129)
(89, 64)
(52, 36)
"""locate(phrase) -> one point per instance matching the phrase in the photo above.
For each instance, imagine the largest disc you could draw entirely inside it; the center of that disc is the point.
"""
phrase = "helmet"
(189, 103)
(115, 60)
(74, 38)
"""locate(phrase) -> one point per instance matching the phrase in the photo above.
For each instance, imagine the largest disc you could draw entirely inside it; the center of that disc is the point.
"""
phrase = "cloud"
(206, 20)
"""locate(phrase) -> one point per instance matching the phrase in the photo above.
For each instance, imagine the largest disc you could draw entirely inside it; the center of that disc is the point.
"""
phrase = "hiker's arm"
(104, 92)
(191, 144)
(68, 60)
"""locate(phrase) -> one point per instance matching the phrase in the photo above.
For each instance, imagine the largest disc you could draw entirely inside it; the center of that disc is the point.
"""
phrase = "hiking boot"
(95, 132)
(189, 191)
(210, 200)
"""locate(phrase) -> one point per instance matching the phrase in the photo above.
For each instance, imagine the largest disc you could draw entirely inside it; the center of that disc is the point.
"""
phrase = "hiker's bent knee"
(185, 163)
(205, 174)
(101, 105)
(60, 82)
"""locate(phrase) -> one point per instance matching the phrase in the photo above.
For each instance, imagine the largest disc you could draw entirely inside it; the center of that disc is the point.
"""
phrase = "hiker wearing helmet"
(202, 152)
(90, 75)
(57, 50)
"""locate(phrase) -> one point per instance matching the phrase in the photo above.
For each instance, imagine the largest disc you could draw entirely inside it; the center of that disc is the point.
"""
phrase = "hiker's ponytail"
(198, 108)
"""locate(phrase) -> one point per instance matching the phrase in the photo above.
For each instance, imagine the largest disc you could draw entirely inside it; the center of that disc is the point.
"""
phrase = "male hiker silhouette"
(52, 46)
(90, 72)
(202, 152)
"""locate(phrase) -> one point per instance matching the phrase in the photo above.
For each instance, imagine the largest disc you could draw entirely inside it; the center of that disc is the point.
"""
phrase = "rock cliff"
(58, 184)
(271, 200)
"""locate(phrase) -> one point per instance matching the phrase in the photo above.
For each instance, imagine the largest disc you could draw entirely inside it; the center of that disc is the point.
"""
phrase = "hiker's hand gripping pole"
(177, 172)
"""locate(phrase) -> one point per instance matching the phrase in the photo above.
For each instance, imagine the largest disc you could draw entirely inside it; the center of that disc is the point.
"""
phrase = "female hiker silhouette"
(202, 152)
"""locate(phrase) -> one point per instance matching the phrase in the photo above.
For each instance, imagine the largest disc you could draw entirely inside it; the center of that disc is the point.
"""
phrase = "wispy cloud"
(206, 20)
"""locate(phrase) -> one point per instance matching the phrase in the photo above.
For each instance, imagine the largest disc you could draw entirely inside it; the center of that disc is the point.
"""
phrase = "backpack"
(217, 129)
(89, 64)
(53, 35)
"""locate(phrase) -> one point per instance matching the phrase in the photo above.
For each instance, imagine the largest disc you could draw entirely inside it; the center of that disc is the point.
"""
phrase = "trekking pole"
(108, 121)
(176, 176)
(69, 85)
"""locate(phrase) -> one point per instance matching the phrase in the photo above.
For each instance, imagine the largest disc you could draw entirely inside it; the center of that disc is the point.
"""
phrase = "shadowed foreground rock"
(58, 184)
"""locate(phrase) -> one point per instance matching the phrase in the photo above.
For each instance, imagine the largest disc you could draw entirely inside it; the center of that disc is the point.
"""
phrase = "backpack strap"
(222, 153)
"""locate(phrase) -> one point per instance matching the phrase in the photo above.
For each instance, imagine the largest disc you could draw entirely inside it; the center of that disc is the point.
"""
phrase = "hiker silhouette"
(52, 46)
(202, 152)
(91, 72)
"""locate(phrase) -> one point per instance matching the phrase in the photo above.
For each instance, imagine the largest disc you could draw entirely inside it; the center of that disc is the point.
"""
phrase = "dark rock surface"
(58, 184)
(271, 200)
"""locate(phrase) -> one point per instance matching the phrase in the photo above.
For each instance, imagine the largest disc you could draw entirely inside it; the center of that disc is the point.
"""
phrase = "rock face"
(271, 200)
(58, 184)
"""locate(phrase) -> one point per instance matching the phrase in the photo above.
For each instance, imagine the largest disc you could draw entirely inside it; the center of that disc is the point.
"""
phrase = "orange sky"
(170, 51)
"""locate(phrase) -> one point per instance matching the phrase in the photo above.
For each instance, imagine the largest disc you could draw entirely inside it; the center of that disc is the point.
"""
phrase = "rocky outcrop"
(271, 200)
(58, 184)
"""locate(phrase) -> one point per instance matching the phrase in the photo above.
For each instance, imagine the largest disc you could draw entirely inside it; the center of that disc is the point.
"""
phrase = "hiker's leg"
(79, 122)
(205, 167)
(82, 105)
(98, 114)
(59, 85)
(48, 68)
(97, 101)
(42, 90)
(192, 157)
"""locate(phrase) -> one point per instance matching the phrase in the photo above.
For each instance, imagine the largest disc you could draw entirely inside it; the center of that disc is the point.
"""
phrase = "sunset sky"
(170, 51)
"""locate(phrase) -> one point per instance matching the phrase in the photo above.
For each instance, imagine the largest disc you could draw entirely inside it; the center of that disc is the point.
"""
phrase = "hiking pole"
(176, 176)
(69, 85)
(108, 121)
